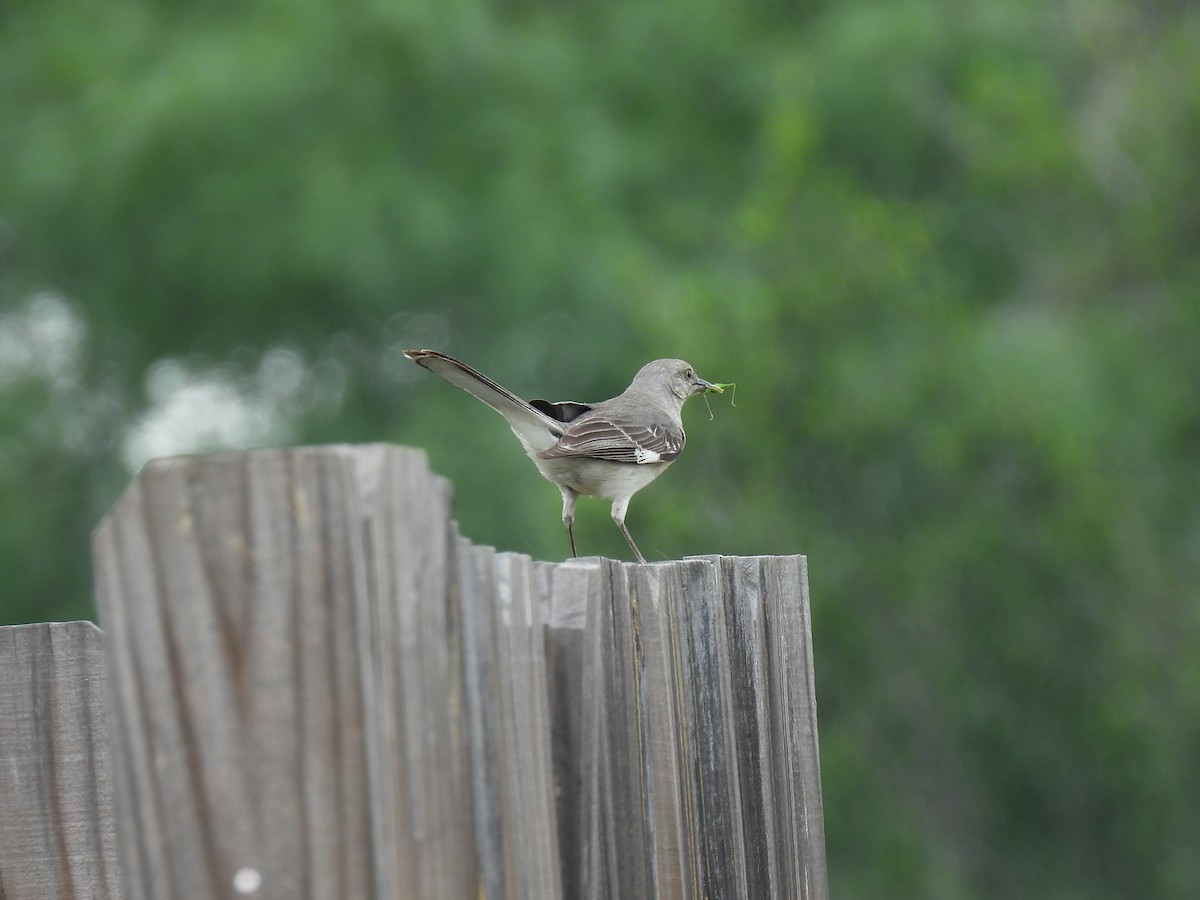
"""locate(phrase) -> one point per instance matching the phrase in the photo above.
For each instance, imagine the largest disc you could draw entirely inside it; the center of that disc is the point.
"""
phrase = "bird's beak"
(708, 386)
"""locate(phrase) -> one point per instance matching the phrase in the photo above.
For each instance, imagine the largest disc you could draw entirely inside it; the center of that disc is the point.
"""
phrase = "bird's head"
(677, 377)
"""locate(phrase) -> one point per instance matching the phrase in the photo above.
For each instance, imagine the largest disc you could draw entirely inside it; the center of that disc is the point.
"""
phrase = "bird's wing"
(602, 436)
(536, 430)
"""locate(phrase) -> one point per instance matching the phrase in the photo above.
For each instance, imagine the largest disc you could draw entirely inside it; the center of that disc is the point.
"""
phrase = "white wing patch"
(641, 455)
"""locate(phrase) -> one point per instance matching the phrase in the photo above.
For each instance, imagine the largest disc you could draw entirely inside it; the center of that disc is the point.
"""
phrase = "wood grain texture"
(413, 679)
(232, 589)
(565, 591)
(316, 682)
(775, 727)
(697, 765)
(57, 834)
(508, 725)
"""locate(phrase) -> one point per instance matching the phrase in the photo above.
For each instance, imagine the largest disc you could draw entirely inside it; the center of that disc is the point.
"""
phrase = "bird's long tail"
(535, 429)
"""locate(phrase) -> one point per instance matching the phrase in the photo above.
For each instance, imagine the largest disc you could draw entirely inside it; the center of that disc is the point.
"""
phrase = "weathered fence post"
(700, 773)
(232, 590)
(318, 688)
(285, 698)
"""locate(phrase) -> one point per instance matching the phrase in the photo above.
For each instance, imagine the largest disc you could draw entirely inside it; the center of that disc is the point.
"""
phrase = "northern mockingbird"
(610, 449)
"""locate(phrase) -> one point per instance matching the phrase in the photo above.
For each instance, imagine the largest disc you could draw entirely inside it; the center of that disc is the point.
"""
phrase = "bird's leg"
(632, 545)
(618, 515)
(568, 515)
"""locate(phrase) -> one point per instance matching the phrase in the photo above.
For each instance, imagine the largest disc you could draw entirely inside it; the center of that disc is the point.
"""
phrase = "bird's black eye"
(688, 373)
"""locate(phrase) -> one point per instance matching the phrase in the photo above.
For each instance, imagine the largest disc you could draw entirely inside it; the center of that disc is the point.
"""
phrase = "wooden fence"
(310, 686)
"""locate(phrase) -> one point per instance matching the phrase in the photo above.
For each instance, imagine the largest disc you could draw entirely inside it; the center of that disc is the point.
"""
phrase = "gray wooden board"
(530, 772)
(564, 592)
(57, 833)
(415, 678)
(796, 770)
(664, 772)
(229, 588)
(482, 712)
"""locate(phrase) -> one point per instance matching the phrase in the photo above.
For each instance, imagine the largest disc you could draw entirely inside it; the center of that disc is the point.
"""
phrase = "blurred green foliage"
(948, 253)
